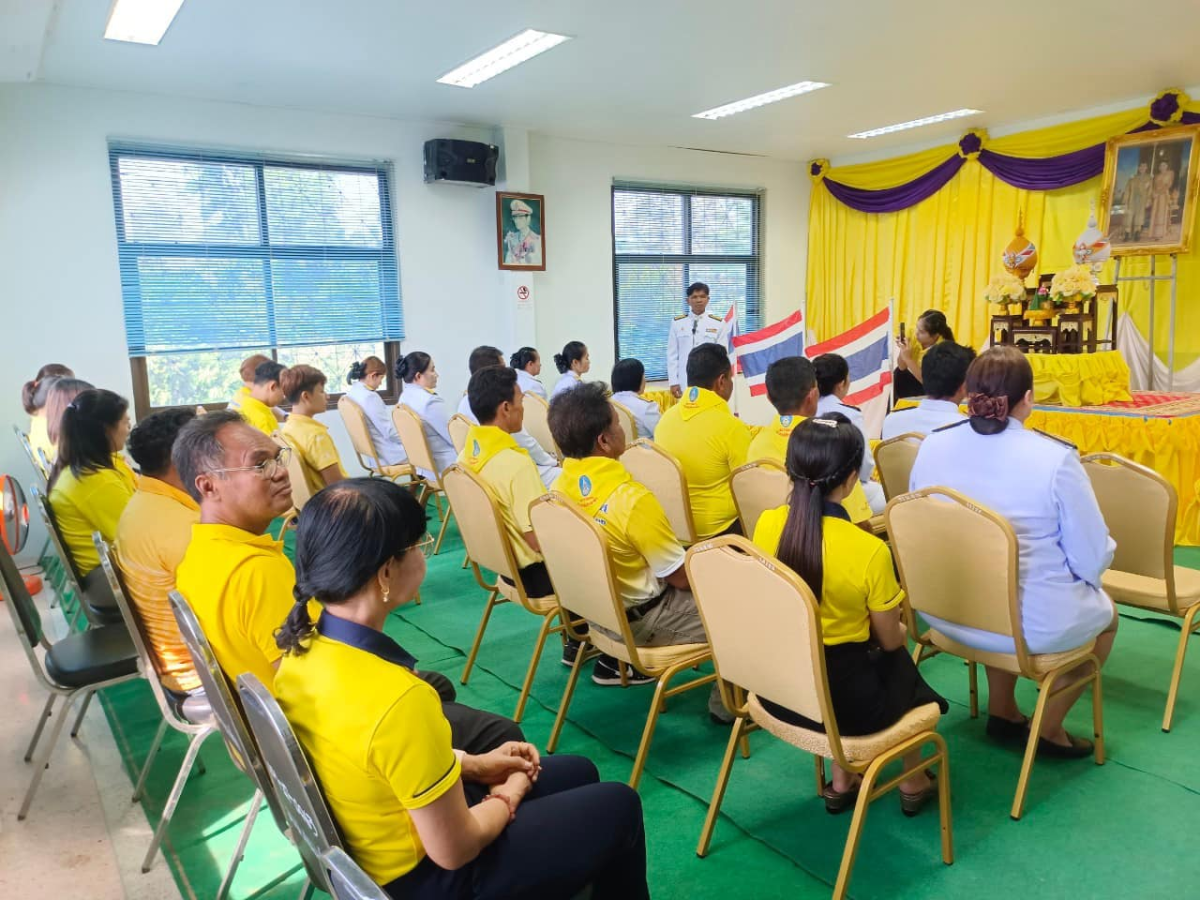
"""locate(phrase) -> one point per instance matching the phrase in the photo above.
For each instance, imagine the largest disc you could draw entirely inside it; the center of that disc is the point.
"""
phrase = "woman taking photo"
(572, 363)
(33, 399)
(931, 328)
(420, 377)
(873, 682)
(528, 364)
(364, 379)
(424, 820)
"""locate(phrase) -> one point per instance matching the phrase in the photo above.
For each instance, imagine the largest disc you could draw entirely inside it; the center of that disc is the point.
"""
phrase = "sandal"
(911, 804)
(839, 801)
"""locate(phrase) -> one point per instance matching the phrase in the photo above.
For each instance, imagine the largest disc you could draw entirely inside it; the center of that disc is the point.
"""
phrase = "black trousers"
(571, 830)
(471, 730)
(536, 580)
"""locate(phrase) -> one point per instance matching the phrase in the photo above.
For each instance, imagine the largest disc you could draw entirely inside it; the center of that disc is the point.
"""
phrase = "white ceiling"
(638, 69)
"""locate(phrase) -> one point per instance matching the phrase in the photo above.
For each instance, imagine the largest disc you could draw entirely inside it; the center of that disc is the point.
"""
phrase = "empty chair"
(774, 648)
(459, 425)
(661, 473)
(355, 421)
(412, 435)
(894, 460)
(1139, 508)
(757, 487)
(91, 592)
(628, 423)
(537, 423)
(36, 462)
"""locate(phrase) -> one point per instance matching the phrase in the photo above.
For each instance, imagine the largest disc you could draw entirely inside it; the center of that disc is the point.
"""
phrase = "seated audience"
(234, 574)
(528, 363)
(258, 407)
(33, 399)
(60, 393)
(1038, 484)
(492, 453)
(944, 373)
(91, 482)
(932, 328)
(364, 379)
(153, 534)
(628, 384)
(412, 808)
(572, 363)
(792, 389)
(707, 439)
(851, 575)
(420, 377)
(833, 383)
(304, 388)
(246, 370)
(547, 465)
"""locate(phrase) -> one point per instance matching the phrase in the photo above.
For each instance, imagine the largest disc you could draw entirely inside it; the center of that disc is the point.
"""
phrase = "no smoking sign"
(523, 292)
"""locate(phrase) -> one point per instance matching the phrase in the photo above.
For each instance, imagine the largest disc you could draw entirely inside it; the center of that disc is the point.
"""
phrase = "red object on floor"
(33, 583)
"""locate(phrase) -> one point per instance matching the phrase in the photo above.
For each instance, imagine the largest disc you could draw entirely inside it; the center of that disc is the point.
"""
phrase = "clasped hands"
(510, 771)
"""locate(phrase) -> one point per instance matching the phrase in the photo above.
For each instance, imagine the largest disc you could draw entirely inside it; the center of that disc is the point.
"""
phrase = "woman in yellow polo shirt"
(932, 328)
(91, 483)
(873, 681)
(304, 388)
(415, 812)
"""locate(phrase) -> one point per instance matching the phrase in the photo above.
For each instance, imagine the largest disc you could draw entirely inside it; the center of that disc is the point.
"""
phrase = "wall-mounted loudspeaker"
(460, 162)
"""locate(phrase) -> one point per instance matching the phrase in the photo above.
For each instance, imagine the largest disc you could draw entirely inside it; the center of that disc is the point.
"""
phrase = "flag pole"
(891, 350)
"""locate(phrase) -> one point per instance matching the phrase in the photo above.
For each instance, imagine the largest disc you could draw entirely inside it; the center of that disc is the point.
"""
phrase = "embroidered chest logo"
(784, 421)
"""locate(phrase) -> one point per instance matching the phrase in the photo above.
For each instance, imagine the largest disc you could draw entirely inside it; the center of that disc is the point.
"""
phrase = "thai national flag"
(758, 349)
(865, 348)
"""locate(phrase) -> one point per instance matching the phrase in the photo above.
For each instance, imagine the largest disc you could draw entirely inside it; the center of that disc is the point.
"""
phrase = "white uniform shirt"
(873, 489)
(922, 418)
(432, 410)
(531, 385)
(379, 423)
(1039, 485)
(566, 381)
(645, 412)
(547, 466)
(688, 332)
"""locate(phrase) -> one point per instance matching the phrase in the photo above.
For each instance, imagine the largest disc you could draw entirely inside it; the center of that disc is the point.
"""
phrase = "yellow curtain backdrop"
(940, 253)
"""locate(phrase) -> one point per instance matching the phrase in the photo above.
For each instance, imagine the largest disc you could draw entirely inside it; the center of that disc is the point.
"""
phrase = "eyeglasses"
(265, 469)
(425, 545)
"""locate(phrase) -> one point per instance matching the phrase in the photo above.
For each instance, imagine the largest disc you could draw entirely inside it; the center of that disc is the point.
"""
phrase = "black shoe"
(836, 801)
(1077, 749)
(1006, 730)
(607, 673)
(570, 651)
(911, 804)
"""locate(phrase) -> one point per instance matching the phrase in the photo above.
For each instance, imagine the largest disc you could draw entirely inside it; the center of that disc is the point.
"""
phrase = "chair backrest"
(42, 502)
(659, 471)
(1139, 507)
(459, 426)
(355, 421)
(957, 560)
(757, 487)
(301, 493)
(763, 624)
(20, 604)
(576, 553)
(300, 796)
(479, 521)
(347, 879)
(230, 719)
(628, 422)
(38, 468)
(537, 423)
(411, 430)
(894, 460)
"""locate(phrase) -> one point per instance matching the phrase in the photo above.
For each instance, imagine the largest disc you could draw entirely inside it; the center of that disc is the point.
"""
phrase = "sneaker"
(608, 674)
(570, 651)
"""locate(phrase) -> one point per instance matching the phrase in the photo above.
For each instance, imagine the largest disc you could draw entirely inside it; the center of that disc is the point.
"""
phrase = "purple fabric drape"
(1047, 173)
(897, 198)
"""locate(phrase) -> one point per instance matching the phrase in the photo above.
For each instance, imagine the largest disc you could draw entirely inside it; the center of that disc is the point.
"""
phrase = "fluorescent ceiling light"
(141, 21)
(792, 90)
(916, 123)
(513, 52)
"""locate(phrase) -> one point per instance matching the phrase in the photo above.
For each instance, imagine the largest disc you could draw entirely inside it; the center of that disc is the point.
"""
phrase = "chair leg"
(154, 745)
(566, 697)
(466, 561)
(1177, 672)
(820, 766)
(856, 828)
(307, 892)
(1098, 715)
(736, 736)
(483, 622)
(43, 760)
(87, 698)
(533, 665)
(437, 547)
(437, 501)
(639, 762)
(973, 679)
(173, 799)
(1035, 730)
(240, 850)
(944, 814)
(47, 711)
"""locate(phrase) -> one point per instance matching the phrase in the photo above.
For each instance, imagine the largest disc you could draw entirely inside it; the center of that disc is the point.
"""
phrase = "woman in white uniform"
(572, 363)
(833, 383)
(364, 379)
(420, 377)
(528, 363)
(628, 382)
(1038, 484)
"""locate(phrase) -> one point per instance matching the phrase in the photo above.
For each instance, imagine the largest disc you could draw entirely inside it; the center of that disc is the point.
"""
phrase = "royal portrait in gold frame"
(1148, 197)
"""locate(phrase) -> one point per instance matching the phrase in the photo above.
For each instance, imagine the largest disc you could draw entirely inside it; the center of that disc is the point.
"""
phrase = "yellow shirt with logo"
(641, 544)
(258, 414)
(771, 443)
(92, 502)
(311, 442)
(709, 442)
(378, 743)
(858, 574)
(513, 480)
(152, 538)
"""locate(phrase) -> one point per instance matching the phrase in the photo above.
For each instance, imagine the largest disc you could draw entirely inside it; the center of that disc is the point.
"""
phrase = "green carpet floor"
(1122, 830)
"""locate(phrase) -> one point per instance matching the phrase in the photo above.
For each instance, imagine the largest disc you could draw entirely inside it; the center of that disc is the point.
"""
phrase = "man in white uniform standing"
(689, 331)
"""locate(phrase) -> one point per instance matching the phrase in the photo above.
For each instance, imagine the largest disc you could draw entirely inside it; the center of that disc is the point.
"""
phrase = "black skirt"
(871, 689)
(905, 384)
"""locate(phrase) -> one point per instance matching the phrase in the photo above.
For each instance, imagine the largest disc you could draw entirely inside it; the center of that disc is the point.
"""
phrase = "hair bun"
(984, 406)
(560, 362)
(358, 371)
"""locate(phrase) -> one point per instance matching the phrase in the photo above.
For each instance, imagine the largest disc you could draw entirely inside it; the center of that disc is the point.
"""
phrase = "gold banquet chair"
(958, 561)
(628, 422)
(1140, 507)
(894, 460)
(482, 526)
(460, 426)
(659, 471)
(355, 421)
(576, 553)
(537, 423)
(411, 430)
(776, 650)
(757, 487)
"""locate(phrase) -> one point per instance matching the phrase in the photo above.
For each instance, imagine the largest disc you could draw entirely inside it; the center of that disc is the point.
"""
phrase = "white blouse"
(436, 421)
(379, 424)
(645, 412)
(565, 382)
(531, 385)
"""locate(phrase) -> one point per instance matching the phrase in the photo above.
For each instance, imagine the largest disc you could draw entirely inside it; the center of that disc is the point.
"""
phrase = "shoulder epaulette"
(684, 316)
(951, 425)
(718, 318)
(902, 409)
(1054, 437)
(848, 406)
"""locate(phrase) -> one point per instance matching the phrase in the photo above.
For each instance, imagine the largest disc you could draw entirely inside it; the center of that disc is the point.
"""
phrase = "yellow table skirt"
(1079, 379)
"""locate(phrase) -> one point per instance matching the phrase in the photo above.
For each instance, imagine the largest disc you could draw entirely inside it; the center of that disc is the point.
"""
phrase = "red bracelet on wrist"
(501, 799)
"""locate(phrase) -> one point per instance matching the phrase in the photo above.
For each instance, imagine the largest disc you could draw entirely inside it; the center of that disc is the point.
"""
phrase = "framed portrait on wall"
(1148, 198)
(521, 231)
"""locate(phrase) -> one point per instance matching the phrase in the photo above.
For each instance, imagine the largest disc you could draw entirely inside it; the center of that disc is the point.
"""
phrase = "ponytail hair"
(85, 445)
(360, 370)
(936, 324)
(997, 381)
(60, 392)
(822, 453)
(30, 390)
(523, 357)
(573, 352)
(409, 367)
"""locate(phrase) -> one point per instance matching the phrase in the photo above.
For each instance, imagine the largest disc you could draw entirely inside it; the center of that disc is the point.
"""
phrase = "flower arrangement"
(1072, 284)
(1004, 288)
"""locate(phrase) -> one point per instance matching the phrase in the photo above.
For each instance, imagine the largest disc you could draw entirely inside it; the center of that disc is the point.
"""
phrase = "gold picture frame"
(1148, 194)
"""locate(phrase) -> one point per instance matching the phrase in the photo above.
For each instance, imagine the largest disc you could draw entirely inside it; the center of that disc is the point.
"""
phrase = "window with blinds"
(666, 238)
(222, 256)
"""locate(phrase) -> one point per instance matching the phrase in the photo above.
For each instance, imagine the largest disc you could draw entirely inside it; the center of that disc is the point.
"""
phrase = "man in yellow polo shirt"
(707, 439)
(258, 407)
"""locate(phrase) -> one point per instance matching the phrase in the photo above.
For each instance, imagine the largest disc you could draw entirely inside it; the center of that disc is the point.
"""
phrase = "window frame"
(753, 262)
